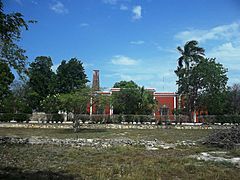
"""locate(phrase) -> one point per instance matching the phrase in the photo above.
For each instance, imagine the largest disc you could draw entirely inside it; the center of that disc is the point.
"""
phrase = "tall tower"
(95, 83)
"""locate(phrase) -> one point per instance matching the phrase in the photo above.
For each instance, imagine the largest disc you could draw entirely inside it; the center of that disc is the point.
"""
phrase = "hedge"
(222, 119)
(7, 117)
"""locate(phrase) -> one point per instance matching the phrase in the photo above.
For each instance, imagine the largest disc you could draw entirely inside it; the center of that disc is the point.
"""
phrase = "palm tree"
(190, 55)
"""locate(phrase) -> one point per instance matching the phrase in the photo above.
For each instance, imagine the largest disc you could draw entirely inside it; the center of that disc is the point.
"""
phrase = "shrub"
(6, 117)
(228, 119)
(129, 118)
(57, 118)
(108, 120)
(21, 117)
(117, 119)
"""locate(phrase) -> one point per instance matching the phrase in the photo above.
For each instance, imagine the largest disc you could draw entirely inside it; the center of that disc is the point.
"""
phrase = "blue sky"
(131, 39)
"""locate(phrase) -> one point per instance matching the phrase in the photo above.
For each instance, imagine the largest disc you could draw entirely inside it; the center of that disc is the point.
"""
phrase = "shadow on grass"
(17, 173)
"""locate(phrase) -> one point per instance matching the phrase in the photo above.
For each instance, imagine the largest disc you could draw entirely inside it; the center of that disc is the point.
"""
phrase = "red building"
(166, 101)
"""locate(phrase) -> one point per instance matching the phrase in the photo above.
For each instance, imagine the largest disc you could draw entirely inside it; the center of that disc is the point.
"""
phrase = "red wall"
(167, 101)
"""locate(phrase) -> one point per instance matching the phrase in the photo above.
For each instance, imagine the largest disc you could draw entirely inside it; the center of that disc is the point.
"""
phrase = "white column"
(194, 116)
(111, 106)
(174, 102)
(154, 114)
(91, 108)
(111, 110)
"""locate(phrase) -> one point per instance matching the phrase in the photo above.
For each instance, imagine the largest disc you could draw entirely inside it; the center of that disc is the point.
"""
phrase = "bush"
(6, 117)
(117, 119)
(235, 119)
(21, 117)
(129, 118)
(108, 120)
(57, 118)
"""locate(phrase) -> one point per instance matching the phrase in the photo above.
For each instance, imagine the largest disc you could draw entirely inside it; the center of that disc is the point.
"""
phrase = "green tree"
(6, 78)
(16, 101)
(125, 84)
(51, 104)
(10, 33)
(42, 80)
(75, 102)
(71, 76)
(233, 100)
(132, 99)
(191, 54)
(201, 81)
(211, 80)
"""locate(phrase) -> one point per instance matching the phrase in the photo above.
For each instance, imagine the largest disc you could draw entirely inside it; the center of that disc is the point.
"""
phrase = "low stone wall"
(69, 125)
(105, 126)
(36, 125)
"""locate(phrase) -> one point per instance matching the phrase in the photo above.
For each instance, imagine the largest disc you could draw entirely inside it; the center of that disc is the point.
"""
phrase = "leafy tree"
(147, 104)
(132, 99)
(10, 33)
(6, 78)
(42, 80)
(16, 101)
(71, 76)
(100, 102)
(191, 54)
(233, 100)
(200, 80)
(125, 84)
(75, 102)
(51, 104)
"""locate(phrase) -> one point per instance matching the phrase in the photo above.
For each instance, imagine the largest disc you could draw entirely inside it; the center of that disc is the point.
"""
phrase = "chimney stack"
(95, 83)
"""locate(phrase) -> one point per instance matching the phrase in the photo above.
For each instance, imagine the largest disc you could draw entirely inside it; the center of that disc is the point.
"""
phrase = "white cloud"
(123, 7)
(84, 24)
(123, 60)
(59, 8)
(137, 42)
(147, 73)
(112, 2)
(55, 66)
(34, 2)
(224, 32)
(228, 54)
(137, 12)
(223, 43)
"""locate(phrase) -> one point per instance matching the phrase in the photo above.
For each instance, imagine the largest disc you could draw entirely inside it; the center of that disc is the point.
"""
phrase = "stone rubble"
(94, 143)
(206, 156)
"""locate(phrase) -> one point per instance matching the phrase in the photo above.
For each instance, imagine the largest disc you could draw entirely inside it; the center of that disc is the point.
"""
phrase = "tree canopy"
(10, 33)
(6, 78)
(41, 79)
(125, 84)
(132, 99)
(71, 76)
(199, 78)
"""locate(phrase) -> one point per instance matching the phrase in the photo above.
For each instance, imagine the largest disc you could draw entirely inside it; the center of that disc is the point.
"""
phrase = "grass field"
(167, 135)
(131, 162)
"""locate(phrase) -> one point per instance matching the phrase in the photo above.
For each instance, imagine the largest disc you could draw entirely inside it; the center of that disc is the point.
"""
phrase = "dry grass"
(167, 135)
(58, 162)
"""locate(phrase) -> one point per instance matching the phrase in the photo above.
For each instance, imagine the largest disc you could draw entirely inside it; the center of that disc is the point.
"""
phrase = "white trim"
(174, 102)
(91, 108)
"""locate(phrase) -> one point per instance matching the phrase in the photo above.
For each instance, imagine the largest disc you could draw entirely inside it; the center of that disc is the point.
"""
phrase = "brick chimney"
(95, 83)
